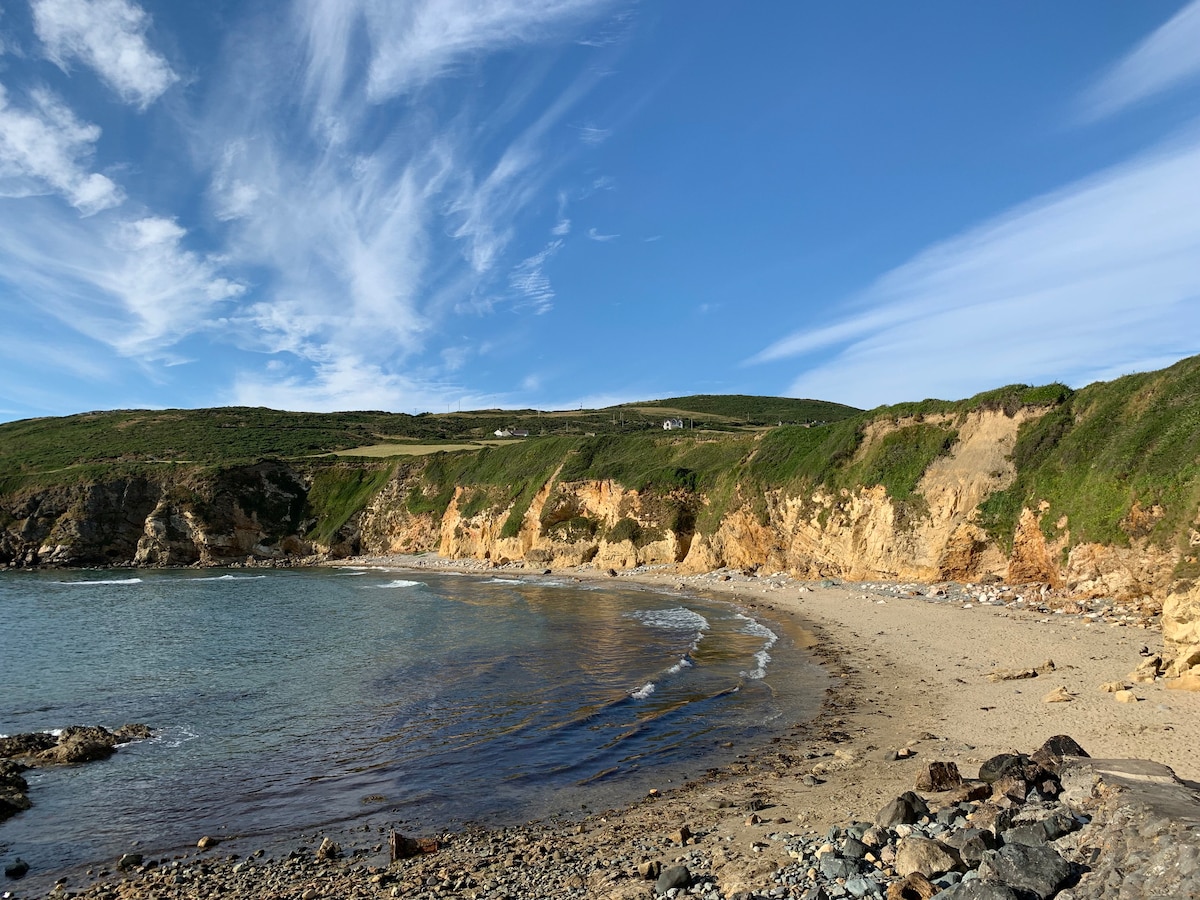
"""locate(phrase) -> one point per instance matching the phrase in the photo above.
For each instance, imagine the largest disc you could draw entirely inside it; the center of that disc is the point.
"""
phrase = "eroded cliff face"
(261, 513)
(863, 534)
(255, 512)
(860, 534)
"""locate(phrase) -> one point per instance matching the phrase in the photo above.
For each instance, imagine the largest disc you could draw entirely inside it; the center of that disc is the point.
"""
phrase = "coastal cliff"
(1092, 493)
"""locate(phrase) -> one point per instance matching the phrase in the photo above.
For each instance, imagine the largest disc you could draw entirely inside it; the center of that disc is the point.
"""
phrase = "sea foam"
(678, 618)
(763, 657)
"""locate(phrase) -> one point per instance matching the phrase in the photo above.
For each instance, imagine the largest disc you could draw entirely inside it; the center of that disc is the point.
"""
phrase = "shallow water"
(307, 700)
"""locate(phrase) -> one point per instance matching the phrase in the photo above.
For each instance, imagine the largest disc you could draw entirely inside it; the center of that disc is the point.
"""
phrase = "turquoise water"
(298, 701)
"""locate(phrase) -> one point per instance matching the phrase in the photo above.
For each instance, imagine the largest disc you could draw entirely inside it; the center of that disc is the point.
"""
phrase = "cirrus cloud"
(108, 36)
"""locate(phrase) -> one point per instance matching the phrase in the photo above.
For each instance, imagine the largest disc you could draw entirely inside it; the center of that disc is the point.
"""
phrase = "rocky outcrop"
(1142, 838)
(256, 512)
(70, 746)
(1181, 637)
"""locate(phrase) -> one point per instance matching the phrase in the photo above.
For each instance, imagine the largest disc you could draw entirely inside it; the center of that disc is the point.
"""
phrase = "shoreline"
(909, 673)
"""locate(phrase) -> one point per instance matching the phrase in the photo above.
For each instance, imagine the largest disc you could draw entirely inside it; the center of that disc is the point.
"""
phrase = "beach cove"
(910, 666)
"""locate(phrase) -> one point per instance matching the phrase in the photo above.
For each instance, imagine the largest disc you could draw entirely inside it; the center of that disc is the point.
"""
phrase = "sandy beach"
(909, 667)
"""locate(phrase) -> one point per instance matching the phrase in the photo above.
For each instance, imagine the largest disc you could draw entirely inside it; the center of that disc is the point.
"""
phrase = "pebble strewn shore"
(1022, 830)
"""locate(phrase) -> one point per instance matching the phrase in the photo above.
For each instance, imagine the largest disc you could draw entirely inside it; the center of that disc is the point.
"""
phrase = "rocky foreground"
(1051, 824)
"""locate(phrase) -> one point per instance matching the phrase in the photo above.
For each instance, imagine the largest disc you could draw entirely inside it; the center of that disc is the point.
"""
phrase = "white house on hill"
(672, 424)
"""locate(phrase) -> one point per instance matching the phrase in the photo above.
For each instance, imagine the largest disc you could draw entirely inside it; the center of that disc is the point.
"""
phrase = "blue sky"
(436, 204)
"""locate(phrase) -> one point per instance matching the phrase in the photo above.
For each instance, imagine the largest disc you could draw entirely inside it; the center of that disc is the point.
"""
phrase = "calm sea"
(308, 701)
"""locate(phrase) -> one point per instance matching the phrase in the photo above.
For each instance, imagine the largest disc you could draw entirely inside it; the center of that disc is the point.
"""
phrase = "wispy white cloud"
(45, 148)
(129, 283)
(595, 235)
(1164, 60)
(412, 44)
(1074, 285)
(110, 37)
(594, 136)
(366, 238)
(529, 278)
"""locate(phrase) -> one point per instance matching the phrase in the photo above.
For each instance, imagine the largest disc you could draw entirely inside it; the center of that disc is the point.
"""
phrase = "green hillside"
(233, 435)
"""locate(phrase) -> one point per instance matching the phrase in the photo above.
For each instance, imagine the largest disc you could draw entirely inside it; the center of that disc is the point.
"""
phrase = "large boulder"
(1038, 870)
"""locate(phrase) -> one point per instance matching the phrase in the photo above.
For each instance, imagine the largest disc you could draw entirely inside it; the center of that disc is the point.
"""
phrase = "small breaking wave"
(679, 618)
(644, 691)
(228, 578)
(398, 583)
(100, 581)
(684, 663)
(174, 736)
(763, 657)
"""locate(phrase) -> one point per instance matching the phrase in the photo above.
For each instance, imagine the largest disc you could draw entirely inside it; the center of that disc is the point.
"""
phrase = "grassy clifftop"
(237, 435)
(1118, 460)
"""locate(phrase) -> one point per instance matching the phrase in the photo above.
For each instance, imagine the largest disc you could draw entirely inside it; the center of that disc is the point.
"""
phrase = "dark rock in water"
(129, 861)
(328, 850)
(17, 869)
(1050, 755)
(80, 744)
(13, 789)
(939, 776)
(674, 877)
(26, 744)
(128, 733)
(1039, 870)
(979, 890)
